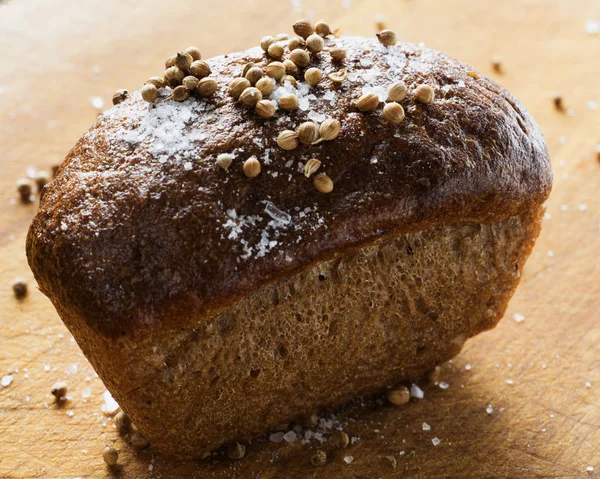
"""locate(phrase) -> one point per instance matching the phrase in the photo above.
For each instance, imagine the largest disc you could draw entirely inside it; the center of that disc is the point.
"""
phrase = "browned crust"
(125, 240)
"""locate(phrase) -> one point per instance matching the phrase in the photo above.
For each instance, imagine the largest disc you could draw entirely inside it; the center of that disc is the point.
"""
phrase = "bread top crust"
(141, 224)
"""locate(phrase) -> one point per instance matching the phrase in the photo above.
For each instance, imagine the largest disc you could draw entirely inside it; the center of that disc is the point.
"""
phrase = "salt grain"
(509, 381)
(436, 441)
(444, 385)
(276, 437)
(519, 318)
(6, 380)
(590, 469)
(348, 459)
(588, 384)
(97, 102)
(426, 427)
(110, 406)
(290, 436)
(416, 391)
(592, 105)
(582, 207)
(468, 367)
(592, 27)
(489, 409)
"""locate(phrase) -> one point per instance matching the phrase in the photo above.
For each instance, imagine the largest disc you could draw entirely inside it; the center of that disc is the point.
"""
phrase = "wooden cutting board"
(523, 400)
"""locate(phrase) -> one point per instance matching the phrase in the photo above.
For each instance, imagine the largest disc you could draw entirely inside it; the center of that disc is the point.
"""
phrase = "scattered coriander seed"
(24, 188)
(251, 167)
(275, 70)
(180, 93)
(313, 76)
(424, 93)
(174, 76)
(308, 132)
(139, 441)
(340, 439)
(275, 50)
(282, 37)
(266, 86)
(497, 64)
(207, 87)
(237, 86)
(315, 43)
(288, 102)
(337, 54)
(265, 109)
(193, 52)
(190, 82)
(119, 96)
(303, 28)
(251, 96)
(296, 42)
(59, 390)
(322, 28)
(247, 67)
(387, 38)
(319, 458)
(236, 450)
(300, 57)
(397, 91)
(42, 178)
(122, 423)
(266, 42)
(290, 67)
(183, 61)
(170, 62)
(200, 69)
(367, 102)
(150, 92)
(330, 129)
(339, 76)
(254, 74)
(19, 286)
(393, 112)
(399, 395)
(433, 375)
(288, 79)
(323, 183)
(311, 166)
(158, 82)
(224, 160)
(287, 140)
(110, 455)
(558, 102)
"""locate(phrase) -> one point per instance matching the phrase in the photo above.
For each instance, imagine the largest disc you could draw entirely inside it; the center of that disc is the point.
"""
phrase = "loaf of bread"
(217, 301)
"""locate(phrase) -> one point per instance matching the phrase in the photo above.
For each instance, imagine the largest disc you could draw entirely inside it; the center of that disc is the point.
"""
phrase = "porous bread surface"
(349, 326)
(141, 223)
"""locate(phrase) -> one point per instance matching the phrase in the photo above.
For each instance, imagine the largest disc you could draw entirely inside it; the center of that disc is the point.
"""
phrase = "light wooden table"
(545, 422)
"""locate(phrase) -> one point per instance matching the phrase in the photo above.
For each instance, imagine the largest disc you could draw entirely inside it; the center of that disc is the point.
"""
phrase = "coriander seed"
(303, 28)
(236, 450)
(266, 42)
(265, 109)
(266, 86)
(59, 390)
(323, 183)
(558, 102)
(288, 102)
(110, 455)
(322, 28)
(300, 57)
(251, 167)
(290, 67)
(337, 54)
(275, 70)
(42, 178)
(193, 52)
(24, 188)
(253, 75)
(150, 92)
(180, 93)
(311, 167)
(224, 160)
(19, 287)
(339, 76)
(387, 38)
(139, 441)
(308, 132)
(207, 87)
(275, 50)
(296, 42)
(287, 140)
(393, 112)
(250, 96)
(282, 37)
(497, 64)
(319, 458)
(190, 82)
(170, 62)
(122, 423)
(119, 96)
(399, 395)
(367, 102)
(237, 86)
(330, 129)
(174, 76)
(247, 67)
(424, 93)
(183, 61)
(340, 439)
(313, 76)
(200, 69)
(158, 82)
(315, 43)
(397, 91)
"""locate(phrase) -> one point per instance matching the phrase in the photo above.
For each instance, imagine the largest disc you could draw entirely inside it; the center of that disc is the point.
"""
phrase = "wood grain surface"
(539, 377)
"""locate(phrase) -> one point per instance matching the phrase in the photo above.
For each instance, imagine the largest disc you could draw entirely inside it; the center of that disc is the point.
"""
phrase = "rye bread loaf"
(215, 306)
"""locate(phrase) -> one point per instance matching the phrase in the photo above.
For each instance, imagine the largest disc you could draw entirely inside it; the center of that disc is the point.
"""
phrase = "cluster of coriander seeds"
(309, 134)
(186, 73)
